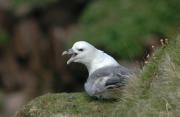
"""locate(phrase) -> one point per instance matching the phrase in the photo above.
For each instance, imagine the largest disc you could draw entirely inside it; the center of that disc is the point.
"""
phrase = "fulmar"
(106, 76)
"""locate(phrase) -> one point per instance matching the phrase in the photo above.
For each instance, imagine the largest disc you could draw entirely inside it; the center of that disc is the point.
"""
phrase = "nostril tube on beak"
(70, 51)
(64, 53)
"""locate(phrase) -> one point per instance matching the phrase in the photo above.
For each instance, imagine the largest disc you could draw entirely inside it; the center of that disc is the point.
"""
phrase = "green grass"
(154, 92)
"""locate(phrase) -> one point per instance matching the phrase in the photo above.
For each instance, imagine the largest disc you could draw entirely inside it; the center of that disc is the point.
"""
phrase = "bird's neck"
(100, 60)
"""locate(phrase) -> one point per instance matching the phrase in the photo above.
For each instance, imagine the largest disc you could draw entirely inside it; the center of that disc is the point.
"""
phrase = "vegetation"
(155, 92)
(122, 27)
(17, 3)
(4, 37)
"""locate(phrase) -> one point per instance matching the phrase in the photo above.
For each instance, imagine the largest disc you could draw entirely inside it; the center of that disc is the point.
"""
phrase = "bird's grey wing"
(116, 81)
(115, 76)
(101, 81)
(109, 71)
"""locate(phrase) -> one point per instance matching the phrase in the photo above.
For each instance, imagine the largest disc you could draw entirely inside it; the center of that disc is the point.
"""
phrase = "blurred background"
(34, 33)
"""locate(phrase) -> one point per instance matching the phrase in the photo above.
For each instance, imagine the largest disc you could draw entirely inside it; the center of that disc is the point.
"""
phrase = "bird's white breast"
(101, 60)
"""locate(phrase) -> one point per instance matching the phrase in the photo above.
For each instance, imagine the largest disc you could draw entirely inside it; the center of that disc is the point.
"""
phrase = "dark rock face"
(32, 38)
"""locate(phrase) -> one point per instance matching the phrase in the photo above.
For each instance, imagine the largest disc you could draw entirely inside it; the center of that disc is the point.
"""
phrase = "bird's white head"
(81, 52)
(87, 54)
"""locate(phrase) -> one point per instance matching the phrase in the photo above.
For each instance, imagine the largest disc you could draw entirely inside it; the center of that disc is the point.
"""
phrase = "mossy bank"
(155, 92)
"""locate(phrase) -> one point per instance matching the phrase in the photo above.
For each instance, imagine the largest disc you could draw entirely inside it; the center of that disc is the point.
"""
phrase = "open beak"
(71, 53)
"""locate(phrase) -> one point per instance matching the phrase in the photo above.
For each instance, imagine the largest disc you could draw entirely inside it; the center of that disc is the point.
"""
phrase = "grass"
(155, 92)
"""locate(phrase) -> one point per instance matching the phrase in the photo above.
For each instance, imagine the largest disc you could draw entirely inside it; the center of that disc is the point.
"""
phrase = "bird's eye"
(80, 49)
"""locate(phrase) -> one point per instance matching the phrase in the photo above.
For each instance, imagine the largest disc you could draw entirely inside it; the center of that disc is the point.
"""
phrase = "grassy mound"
(155, 92)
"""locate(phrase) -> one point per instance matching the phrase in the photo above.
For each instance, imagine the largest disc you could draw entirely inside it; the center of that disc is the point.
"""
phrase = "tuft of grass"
(154, 92)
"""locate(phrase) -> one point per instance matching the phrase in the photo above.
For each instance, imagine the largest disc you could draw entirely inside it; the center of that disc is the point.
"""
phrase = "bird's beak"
(71, 53)
(68, 52)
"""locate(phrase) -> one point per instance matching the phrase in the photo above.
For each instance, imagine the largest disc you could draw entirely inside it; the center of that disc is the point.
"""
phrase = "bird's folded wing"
(110, 77)
(115, 82)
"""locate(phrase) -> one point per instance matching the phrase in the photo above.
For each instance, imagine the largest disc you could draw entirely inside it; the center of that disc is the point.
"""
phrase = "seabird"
(106, 75)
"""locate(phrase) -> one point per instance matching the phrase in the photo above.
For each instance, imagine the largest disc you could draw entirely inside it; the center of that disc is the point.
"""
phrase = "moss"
(65, 104)
(154, 92)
